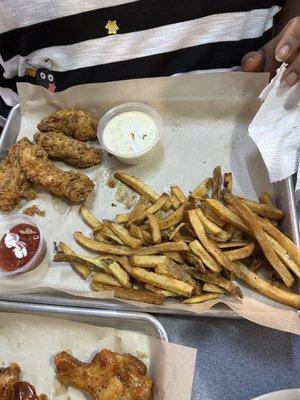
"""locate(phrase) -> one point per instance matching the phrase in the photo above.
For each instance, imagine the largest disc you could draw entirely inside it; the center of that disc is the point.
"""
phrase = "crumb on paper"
(55, 246)
(113, 205)
(119, 343)
(111, 182)
(144, 136)
(34, 210)
(142, 355)
(132, 135)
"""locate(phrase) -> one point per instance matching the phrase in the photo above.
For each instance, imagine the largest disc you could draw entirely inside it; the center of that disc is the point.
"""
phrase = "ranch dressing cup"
(130, 132)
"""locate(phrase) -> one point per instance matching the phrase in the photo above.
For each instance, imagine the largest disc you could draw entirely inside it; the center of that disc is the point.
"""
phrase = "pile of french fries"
(191, 248)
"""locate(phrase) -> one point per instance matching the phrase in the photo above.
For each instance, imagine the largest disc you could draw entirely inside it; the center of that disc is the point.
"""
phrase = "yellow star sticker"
(112, 27)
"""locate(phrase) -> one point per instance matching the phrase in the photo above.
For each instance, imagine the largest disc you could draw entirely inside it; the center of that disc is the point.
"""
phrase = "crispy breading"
(70, 150)
(34, 162)
(14, 185)
(80, 125)
(108, 376)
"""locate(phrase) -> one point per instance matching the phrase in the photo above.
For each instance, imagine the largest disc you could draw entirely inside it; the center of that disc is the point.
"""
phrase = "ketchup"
(18, 246)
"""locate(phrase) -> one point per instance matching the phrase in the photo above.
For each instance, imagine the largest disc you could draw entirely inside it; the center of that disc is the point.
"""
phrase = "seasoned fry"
(143, 296)
(177, 272)
(154, 227)
(125, 236)
(137, 232)
(232, 245)
(172, 219)
(174, 201)
(177, 192)
(264, 242)
(176, 230)
(228, 182)
(102, 277)
(210, 226)
(82, 269)
(218, 280)
(217, 182)
(118, 272)
(194, 260)
(124, 261)
(209, 245)
(165, 293)
(212, 215)
(261, 209)
(205, 257)
(175, 256)
(139, 209)
(103, 233)
(163, 282)
(125, 251)
(240, 253)
(202, 298)
(149, 261)
(227, 215)
(140, 187)
(202, 190)
(89, 262)
(122, 218)
(211, 288)
(274, 292)
(89, 217)
(265, 198)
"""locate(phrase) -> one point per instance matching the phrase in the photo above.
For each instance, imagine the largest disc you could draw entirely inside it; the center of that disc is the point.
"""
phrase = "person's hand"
(284, 47)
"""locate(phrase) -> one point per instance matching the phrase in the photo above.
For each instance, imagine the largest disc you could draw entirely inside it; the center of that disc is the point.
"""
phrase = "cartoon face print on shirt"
(43, 76)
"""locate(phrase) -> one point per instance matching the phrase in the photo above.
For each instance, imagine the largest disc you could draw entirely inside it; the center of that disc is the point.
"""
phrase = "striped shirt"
(62, 43)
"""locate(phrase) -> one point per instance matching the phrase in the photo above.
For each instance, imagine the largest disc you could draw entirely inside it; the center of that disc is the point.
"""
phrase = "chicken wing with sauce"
(70, 150)
(109, 376)
(80, 125)
(34, 162)
(11, 388)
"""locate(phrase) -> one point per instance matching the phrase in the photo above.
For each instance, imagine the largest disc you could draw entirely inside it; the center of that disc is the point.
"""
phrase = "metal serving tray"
(131, 321)
(284, 197)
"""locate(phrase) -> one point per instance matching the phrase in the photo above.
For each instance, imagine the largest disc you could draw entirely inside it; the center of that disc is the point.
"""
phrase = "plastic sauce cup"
(11, 221)
(130, 132)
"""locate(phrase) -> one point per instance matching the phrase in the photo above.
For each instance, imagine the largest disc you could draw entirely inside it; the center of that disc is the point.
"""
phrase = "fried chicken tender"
(109, 376)
(80, 125)
(34, 162)
(70, 150)
(14, 185)
(11, 388)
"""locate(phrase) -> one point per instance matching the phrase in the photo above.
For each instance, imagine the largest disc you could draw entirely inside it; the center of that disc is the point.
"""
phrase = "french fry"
(137, 232)
(174, 271)
(265, 198)
(202, 190)
(239, 254)
(219, 280)
(163, 282)
(158, 205)
(205, 257)
(89, 217)
(175, 256)
(202, 298)
(228, 182)
(264, 242)
(212, 215)
(176, 230)
(258, 208)
(82, 269)
(165, 293)
(118, 272)
(217, 182)
(284, 256)
(274, 292)
(174, 201)
(125, 251)
(232, 245)
(140, 187)
(143, 296)
(149, 261)
(194, 260)
(227, 215)
(106, 233)
(125, 236)
(124, 261)
(89, 262)
(212, 288)
(139, 209)
(122, 218)
(210, 226)
(177, 192)
(101, 238)
(172, 219)
(102, 277)
(209, 245)
(283, 240)
(154, 227)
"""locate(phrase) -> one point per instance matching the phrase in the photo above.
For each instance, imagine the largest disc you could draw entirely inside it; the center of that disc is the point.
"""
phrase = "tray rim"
(220, 311)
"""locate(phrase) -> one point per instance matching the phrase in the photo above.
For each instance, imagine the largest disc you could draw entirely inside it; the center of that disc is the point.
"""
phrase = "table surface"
(237, 359)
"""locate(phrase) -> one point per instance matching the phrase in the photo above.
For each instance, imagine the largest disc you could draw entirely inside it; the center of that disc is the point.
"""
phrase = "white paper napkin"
(276, 128)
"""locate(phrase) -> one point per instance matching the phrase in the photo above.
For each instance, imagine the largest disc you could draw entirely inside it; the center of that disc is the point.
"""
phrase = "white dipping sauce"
(129, 133)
